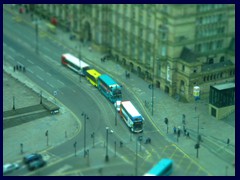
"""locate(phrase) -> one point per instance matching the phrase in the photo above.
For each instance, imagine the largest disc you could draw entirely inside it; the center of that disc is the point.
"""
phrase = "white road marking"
(20, 63)
(60, 82)
(40, 68)
(49, 74)
(30, 70)
(30, 61)
(39, 77)
(50, 85)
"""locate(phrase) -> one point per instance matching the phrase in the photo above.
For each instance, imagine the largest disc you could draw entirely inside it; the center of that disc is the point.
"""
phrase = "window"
(183, 68)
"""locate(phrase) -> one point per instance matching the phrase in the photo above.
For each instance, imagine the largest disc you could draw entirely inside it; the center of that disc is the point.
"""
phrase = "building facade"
(176, 47)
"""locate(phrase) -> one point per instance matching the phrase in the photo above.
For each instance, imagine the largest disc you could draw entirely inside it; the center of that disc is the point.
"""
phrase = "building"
(176, 46)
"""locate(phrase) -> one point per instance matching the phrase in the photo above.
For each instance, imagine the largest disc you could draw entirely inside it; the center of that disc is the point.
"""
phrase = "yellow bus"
(92, 76)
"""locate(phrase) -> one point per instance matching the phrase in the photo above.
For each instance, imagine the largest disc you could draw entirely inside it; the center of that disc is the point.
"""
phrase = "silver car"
(7, 168)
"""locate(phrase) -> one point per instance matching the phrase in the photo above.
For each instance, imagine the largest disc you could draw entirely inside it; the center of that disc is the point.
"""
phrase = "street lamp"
(139, 138)
(84, 140)
(13, 103)
(92, 136)
(106, 157)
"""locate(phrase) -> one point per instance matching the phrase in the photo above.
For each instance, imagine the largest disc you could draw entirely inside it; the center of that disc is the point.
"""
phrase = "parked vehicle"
(7, 168)
(31, 157)
(36, 164)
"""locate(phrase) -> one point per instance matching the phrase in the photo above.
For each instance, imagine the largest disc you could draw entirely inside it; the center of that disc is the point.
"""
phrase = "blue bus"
(162, 168)
(109, 88)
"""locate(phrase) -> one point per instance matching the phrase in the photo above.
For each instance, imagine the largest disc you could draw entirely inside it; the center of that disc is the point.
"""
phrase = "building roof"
(188, 55)
(207, 67)
(224, 86)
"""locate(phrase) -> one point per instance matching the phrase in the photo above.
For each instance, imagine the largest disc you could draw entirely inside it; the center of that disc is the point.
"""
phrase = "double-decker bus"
(92, 76)
(75, 64)
(109, 88)
(162, 168)
(131, 116)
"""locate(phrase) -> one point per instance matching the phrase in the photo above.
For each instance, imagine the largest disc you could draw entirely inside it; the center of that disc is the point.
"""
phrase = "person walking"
(228, 141)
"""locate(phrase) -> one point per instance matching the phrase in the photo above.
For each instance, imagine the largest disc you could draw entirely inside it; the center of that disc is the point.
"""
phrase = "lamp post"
(92, 136)
(107, 132)
(106, 157)
(84, 140)
(13, 103)
(139, 138)
(41, 97)
(116, 115)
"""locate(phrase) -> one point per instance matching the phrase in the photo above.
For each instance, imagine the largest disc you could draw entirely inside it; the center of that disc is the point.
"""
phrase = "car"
(7, 168)
(31, 157)
(117, 105)
(36, 164)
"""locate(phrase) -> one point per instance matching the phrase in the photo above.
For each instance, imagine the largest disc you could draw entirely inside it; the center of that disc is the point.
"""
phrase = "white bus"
(75, 64)
(131, 116)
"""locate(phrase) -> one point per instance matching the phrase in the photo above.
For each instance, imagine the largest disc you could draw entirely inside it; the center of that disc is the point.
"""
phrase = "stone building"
(175, 46)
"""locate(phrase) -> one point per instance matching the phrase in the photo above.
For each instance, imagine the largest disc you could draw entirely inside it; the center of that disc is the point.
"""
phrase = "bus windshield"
(138, 126)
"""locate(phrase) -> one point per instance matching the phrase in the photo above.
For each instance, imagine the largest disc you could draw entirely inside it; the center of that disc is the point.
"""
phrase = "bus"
(131, 116)
(92, 76)
(162, 168)
(75, 64)
(109, 88)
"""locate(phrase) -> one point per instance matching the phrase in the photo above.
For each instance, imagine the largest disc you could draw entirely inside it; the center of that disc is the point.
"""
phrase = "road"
(45, 69)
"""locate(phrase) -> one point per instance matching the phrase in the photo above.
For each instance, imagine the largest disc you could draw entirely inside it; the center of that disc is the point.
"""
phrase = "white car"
(117, 105)
(10, 167)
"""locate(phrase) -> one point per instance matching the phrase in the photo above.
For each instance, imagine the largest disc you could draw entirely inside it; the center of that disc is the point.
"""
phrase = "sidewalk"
(32, 134)
(214, 154)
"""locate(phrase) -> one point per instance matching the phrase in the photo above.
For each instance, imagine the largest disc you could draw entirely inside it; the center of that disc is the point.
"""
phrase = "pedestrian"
(185, 131)
(20, 67)
(17, 67)
(174, 130)
(14, 68)
(24, 69)
(188, 136)
(228, 141)
(179, 132)
(121, 143)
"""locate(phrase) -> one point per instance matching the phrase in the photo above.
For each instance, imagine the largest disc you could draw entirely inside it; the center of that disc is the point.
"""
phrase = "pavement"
(214, 153)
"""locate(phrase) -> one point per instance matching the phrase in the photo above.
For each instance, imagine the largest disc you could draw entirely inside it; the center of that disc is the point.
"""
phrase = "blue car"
(31, 157)
(36, 164)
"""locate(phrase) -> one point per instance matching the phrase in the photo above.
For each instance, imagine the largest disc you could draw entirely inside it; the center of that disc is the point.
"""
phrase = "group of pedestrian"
(19, 68)
(177, 131)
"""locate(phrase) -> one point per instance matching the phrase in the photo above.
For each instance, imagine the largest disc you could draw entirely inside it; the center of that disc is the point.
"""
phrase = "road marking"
(40, 68)
(39, 77)
(50, 85)
(49, 74)
(20, 64)
(30, 70)
(60, 82)
(30, 61)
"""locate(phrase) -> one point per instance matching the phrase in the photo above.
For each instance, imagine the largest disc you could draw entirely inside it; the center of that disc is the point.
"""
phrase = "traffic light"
(166, 121)
(197, 146)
